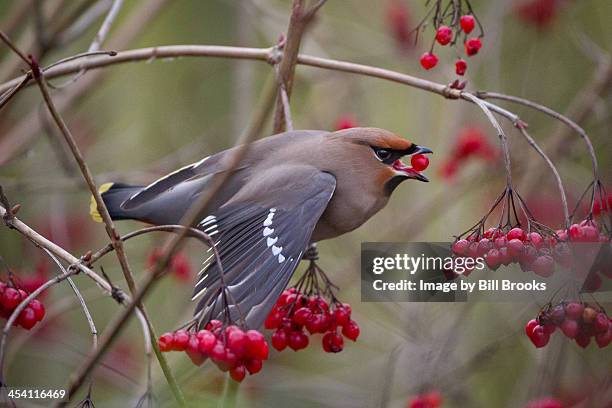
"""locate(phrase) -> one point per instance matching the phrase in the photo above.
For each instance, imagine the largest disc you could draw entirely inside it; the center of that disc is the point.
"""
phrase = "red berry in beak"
(419, 162)
(429, 60)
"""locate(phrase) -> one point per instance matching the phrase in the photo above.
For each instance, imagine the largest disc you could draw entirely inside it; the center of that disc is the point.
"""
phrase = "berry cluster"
(448, 35)
(577, 320)
(179, 264)
(431, 399)
(471, 143)
(295, 311)
(230, 348)
(547, 402)
(537, 248)
(534, 251)
(11, 296)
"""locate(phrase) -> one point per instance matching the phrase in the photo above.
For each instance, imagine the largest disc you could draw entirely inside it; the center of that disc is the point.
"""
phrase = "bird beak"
(421, 150)
(408, 171)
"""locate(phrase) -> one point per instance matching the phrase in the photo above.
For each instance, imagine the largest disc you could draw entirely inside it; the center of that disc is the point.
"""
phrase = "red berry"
(39, 309)
(557, 315)
(301, 316)
(516, 233)
(27, 318)
(341, 316)
(460, 67)
(298, 340)
(333, 342)
(11, 298)
(601, 323)
(484, 245)
(543, 266)
(444, 35)
(603, 339)
(165, 342)
(419, 162)
(536, 239)
(180, 340)
(254, 365)
(206, 341)
(468, 22)
(429, 60)
(257, 345)
(218, 352)
(238, 373)
(500, 242)
(530, 326)
(351, 330)
(236, 340)
(472, 46)
(574, 311)
(539, 337)
(570, 328)
(280, 340)
(273, 320)
(493, 259)
(583, 340)
(193, 351)
(515, 248)
(460, 247)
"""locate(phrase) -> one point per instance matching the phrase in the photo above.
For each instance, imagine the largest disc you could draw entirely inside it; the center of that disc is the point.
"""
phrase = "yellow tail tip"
(93, 207)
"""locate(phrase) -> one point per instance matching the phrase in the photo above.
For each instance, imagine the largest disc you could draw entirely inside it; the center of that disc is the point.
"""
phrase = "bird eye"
(383, 154)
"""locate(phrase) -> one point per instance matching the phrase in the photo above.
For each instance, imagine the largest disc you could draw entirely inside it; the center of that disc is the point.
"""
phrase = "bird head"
(377, 154)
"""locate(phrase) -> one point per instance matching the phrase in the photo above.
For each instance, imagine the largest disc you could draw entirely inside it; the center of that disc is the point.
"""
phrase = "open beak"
(407, 171)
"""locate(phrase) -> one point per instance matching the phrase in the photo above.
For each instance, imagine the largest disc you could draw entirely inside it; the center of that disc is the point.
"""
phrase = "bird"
(288, 191)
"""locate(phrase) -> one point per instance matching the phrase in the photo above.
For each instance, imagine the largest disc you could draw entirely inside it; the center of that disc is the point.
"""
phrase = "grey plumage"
(290, 189)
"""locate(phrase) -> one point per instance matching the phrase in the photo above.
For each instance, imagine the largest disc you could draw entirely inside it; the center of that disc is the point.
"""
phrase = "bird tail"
(113, 194)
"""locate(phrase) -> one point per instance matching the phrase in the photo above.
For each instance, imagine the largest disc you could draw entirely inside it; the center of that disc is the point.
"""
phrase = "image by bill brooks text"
(431, 272)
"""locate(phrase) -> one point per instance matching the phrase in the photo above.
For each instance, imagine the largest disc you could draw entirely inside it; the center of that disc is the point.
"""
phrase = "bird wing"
(260, 238)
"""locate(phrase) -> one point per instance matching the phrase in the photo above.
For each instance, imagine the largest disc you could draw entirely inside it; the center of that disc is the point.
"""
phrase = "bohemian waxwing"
(289, 190)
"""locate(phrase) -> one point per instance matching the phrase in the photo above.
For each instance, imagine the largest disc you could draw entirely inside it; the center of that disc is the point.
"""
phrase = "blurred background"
(136, 122)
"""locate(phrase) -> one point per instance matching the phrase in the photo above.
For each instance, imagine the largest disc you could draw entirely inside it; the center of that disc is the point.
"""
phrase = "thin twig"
(79, 296)
(298, 23)
(532, 143)
(556, 115)
(108, 223)
(192, 232)
(500, 132)
(106, 26)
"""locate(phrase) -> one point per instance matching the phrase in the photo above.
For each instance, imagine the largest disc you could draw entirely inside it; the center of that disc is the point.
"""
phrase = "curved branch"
(552, 167)
(556, 115)
(192, 232)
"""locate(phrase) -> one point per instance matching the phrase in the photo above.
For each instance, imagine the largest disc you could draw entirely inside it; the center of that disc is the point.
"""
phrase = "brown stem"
(532, 143)
(298, 22)
(108, 223)
(556, 115)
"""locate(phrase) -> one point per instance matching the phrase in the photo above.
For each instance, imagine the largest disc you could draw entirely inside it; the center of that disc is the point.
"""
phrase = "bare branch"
(106, 26)
(556, 115)
(298, 23)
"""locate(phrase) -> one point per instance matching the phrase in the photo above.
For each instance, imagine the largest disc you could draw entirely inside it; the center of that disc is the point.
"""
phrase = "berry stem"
(502, 136)
(552, 167)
